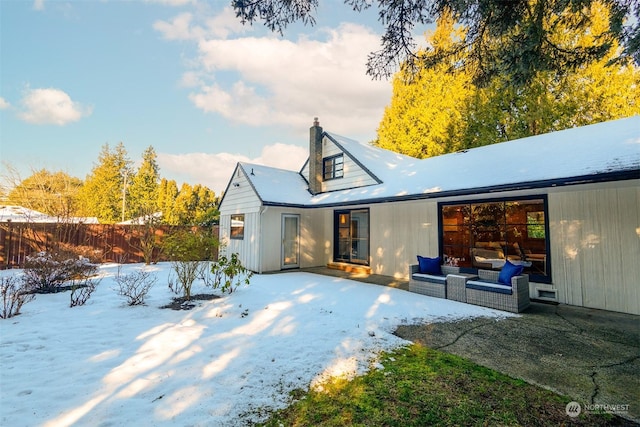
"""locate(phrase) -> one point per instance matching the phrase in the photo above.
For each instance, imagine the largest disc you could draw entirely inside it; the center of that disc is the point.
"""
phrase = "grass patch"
(420, 386)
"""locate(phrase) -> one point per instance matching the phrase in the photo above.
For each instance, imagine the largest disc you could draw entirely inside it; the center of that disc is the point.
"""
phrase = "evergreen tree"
(192, 205)
(522, 28)
(167, 194)
(425, 117)
(185, 205)
(104, 192)
(420, 123)
(207, 209)
(143, 193)
(592, 93)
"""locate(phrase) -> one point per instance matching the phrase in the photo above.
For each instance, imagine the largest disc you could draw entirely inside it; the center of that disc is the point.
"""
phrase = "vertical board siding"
(400, 232)
(242, 199)
(595, 245)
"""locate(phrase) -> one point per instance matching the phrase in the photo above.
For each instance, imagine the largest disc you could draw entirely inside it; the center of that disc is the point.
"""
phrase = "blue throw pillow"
(429, 265)
(508, 271)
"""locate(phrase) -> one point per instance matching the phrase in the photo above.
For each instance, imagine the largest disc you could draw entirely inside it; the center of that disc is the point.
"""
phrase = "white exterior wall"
(399, 232)
(354, 175)
(314, 247)
(594, 239)
(595, 246)
(241, 200)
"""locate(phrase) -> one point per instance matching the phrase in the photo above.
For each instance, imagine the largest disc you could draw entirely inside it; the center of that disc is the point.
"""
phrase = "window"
(535, 225)
(484, 234)
(333, 167)
(237, 226)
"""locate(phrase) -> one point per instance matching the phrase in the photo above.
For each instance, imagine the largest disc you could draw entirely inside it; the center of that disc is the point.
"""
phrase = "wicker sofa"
(429, 284)
(487, 292)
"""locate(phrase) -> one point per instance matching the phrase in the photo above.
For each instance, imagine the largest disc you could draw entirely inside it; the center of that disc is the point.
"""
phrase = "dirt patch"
(181, 303)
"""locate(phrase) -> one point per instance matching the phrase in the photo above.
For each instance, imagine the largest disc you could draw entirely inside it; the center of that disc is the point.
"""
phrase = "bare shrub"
(173, 284)
(135, 286)
(14, 295)
(46, 272)
(187, 272)
(81, 291)
(189, 252)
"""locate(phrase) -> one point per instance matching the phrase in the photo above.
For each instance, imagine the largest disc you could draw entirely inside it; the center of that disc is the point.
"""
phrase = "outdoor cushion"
(508, 271)
(429, 278)
(429, 265)
(483, 285)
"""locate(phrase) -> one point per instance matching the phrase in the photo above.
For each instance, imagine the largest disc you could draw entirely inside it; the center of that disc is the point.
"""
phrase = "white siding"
(354, 175)
(314, 250)
(241, 199)
(400, 232)
(595, 247)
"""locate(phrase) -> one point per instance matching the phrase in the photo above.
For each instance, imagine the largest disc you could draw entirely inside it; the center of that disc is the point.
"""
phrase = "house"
(565, 205)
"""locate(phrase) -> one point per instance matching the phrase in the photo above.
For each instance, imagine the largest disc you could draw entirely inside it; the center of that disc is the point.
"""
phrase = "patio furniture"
(486, 291)
(430, 284)
(457, 284)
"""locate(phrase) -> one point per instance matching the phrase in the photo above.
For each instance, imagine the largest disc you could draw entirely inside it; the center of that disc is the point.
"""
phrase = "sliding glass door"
(351, 236)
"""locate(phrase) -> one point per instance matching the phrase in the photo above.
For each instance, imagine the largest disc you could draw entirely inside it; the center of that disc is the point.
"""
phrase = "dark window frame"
(236, 232)
(332, 168)
(545, 277)
(351, 237)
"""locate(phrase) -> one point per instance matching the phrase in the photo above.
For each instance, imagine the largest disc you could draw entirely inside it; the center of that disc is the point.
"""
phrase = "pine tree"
(592, 93)
(207, 211)
(444, 112)
(143, 192)
(104, 193)
(425, 117)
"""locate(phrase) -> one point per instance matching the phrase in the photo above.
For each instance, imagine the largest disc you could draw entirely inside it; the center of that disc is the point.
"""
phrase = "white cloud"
(51, 106)
(179, 28)
(4, 104)
(38, 5)
(269, 80)
(282, 82)
(184, 26)
(214, 170)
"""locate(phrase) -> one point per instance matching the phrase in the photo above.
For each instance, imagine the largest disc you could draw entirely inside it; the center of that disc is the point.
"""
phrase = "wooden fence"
(99, 242)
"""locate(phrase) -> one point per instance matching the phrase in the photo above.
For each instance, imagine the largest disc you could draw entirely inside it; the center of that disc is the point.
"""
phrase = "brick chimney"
(315, 157)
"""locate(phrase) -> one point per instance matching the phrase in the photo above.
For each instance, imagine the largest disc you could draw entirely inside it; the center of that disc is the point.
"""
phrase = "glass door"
(290, 241)
(351, 236)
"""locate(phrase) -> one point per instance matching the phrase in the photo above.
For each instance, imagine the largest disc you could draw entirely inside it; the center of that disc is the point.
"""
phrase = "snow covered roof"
(599, 152)
(22, 214)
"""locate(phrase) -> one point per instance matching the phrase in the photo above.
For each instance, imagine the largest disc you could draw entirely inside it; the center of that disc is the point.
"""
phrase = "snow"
(222, 363)
(606, 147)
(21, 214)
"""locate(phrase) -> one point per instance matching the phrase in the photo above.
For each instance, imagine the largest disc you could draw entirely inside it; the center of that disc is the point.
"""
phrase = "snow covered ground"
(220, 364)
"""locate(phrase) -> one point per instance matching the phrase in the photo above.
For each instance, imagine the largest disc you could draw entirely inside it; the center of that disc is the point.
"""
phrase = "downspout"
(263, 209)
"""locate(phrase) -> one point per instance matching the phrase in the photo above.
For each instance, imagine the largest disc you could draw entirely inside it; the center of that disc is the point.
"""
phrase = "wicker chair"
(487, 292)
(431, 285)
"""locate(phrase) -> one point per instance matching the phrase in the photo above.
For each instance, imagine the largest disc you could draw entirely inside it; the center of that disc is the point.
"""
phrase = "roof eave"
(522, 186)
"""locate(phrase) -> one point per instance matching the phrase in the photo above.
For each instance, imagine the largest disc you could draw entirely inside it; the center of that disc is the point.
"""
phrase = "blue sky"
(184, 76)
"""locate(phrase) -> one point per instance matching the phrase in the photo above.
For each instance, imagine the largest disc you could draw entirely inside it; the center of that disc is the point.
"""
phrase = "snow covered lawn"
(222, 363)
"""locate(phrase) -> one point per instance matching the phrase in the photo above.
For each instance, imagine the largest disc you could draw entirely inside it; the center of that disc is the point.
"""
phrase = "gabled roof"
(602, 152)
